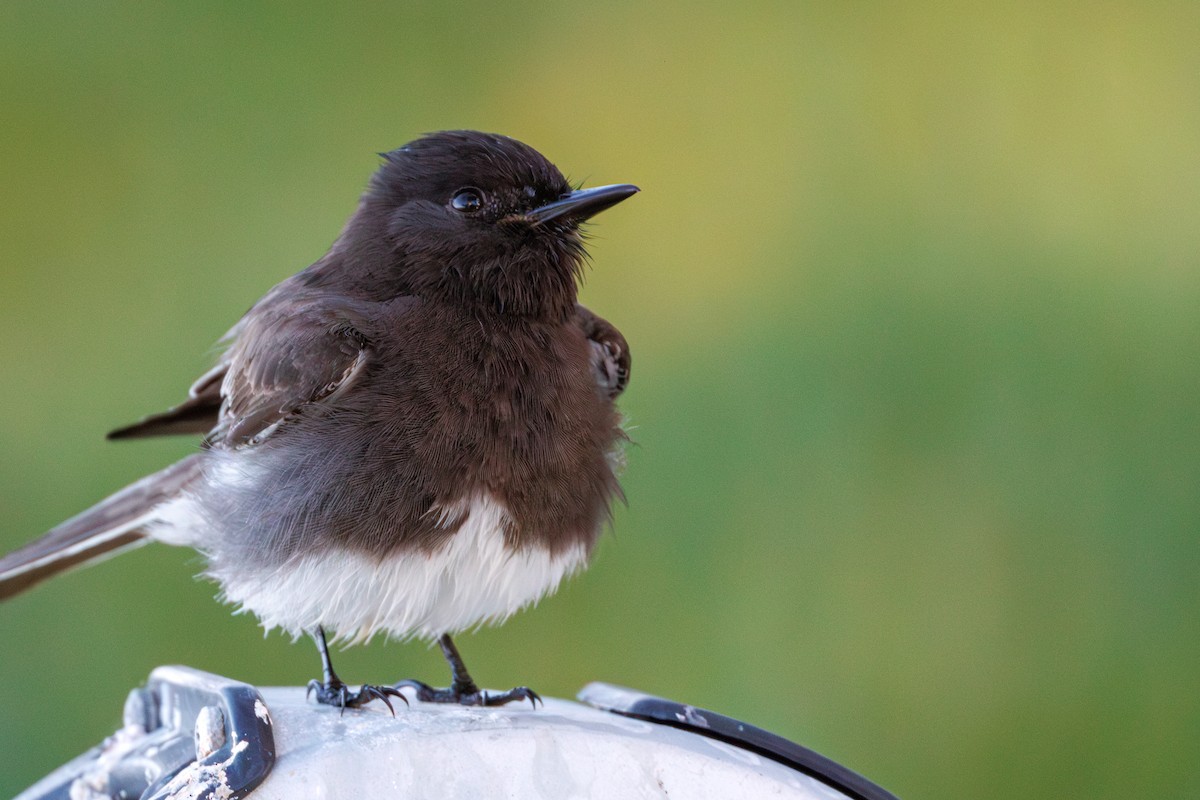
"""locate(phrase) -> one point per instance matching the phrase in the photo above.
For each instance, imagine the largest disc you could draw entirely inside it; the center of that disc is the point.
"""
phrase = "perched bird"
(414, 435)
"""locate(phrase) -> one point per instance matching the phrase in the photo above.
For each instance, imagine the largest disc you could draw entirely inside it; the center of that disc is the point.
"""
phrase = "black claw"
(383, 693)
(462, 690)
(339, 695)
(332, 692)
(519, 693)
(533, 697)
(457, 696)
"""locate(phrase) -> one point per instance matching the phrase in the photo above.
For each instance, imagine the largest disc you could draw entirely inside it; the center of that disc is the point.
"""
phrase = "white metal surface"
(563, 750)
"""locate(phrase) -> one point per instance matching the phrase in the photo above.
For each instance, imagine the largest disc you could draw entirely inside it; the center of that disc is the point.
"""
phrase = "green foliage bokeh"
(912, 295)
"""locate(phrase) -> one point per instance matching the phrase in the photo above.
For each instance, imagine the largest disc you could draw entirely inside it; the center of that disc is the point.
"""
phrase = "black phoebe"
(413, 436)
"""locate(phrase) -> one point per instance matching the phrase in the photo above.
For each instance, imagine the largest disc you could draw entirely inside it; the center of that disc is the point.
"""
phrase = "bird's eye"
(468, 201)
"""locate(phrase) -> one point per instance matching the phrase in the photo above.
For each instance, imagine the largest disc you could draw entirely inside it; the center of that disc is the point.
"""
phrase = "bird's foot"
(337, 694)
(469, 695)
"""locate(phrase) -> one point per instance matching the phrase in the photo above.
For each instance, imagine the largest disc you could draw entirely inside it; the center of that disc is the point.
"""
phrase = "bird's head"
(482, 219)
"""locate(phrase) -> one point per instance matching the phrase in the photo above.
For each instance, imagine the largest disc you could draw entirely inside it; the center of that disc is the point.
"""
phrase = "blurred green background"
(912, 292)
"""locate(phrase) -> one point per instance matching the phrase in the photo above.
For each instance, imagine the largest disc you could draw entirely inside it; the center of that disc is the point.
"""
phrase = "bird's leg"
(332, 692)
(463, 690)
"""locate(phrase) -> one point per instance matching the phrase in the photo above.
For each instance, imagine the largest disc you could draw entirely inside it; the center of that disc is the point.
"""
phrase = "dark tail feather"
(195, 415)
(113, 524)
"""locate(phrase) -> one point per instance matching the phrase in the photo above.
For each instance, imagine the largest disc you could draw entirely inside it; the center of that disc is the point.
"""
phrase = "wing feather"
(611, 360)
(283, 356)
(279, 368)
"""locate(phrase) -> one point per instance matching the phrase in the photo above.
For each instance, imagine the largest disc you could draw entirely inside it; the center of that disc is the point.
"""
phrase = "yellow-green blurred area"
(913, 293)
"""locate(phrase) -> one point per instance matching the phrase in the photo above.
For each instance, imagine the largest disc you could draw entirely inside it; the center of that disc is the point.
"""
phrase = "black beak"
(583, 203)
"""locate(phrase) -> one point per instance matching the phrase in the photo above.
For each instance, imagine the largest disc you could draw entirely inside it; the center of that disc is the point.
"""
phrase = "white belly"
(471, 580)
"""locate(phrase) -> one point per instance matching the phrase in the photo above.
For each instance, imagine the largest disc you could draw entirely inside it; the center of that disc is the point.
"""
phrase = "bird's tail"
(115, 523)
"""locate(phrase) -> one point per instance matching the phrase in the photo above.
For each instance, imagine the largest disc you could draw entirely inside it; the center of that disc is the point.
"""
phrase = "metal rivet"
(210, 731)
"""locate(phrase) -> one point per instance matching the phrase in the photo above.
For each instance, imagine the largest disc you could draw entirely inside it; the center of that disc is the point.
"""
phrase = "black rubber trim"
(158, 743)
(629, 703)
(235, 769)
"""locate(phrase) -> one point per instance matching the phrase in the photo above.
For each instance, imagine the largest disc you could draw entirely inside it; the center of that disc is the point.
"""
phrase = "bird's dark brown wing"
(610, 352)
(279, 367)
